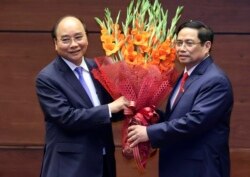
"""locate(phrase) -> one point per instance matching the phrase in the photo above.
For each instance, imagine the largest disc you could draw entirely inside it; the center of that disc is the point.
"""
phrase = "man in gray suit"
(193, 133)
(77, 109)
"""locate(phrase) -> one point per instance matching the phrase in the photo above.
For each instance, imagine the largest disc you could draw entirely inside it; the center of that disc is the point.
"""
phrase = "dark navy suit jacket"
(76, 132)
(193, 136)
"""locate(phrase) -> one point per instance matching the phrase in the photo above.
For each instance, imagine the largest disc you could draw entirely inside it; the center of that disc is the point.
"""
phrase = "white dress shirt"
(87, 79)
(176, 91)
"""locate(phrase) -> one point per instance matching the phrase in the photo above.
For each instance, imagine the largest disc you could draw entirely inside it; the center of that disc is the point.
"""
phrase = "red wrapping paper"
(146, 86)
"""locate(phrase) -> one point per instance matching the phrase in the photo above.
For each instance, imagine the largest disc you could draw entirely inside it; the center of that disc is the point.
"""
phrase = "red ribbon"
(145, 117)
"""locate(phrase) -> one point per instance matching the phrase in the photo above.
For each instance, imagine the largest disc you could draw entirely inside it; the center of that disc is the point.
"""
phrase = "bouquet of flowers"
(139, 64)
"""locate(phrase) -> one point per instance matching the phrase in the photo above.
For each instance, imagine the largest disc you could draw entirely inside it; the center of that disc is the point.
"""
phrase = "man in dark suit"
(79, 139)
(193, 134)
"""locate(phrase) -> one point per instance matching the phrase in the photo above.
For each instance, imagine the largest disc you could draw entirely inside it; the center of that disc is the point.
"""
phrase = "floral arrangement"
(143, 38)
(139, 64)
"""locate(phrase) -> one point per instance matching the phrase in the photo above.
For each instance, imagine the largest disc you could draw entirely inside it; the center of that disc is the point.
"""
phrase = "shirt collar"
(192, 69)
(73, 66)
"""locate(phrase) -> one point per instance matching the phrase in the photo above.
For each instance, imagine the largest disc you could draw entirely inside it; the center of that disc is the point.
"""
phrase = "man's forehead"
(188, 33)
(70, 24)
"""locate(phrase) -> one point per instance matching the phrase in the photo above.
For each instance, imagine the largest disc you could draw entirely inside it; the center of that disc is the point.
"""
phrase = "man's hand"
(118, 105)
(137, 134)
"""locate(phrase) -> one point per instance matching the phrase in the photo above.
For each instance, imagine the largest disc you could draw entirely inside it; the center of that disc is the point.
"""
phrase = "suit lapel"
(168, 108)
(198, 71)
(189, 81)
(72, 81)
(91, 65)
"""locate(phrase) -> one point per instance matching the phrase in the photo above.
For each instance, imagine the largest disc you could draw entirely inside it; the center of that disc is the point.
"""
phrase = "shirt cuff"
(110, 114)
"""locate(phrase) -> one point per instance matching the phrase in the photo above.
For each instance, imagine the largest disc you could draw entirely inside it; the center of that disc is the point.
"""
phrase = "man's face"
(71, 41)
(189, 49)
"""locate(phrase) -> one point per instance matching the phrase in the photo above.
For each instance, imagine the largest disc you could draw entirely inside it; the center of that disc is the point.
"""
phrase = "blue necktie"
(79, 71)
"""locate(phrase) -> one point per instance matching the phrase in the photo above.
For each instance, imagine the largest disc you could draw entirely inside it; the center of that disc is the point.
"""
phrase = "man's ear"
(55, 43)
(208, 45)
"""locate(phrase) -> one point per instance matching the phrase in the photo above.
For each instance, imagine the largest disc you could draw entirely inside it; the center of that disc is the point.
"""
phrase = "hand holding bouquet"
(139, 64)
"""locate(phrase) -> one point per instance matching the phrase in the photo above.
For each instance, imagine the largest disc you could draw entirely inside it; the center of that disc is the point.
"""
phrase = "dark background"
(26, 47)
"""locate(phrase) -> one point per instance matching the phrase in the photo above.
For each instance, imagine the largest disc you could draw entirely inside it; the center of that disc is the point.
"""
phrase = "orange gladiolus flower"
(110, 48)
(140, 37)
(107, 38)
(166, 65)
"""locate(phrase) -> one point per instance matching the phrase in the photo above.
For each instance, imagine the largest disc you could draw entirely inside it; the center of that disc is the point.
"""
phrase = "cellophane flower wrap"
(139, 64)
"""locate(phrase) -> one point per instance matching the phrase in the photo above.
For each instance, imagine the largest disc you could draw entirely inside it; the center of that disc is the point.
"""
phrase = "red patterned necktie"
(183, 81)
(182, 84)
